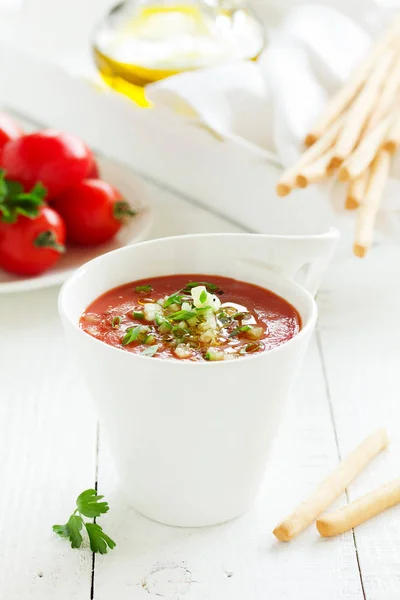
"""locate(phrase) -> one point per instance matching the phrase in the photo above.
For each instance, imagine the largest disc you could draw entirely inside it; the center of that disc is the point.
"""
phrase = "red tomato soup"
(191, 317)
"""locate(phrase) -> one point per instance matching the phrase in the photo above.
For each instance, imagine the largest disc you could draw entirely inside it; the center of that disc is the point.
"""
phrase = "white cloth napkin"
(269, 105)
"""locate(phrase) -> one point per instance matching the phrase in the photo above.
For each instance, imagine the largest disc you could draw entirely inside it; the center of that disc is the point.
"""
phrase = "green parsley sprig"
(87, 505)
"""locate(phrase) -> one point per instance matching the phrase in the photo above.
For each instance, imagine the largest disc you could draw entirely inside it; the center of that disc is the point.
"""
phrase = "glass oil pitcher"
(142, 41)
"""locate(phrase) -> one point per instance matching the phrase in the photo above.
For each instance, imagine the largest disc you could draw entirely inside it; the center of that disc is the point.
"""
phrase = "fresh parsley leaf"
(71, 530)
(61, 530)
(173, 299)
(143, 288)
(182, 315)
(210, 287)
(88, 504)
(99, 541)
(150, 351)
(203, 296)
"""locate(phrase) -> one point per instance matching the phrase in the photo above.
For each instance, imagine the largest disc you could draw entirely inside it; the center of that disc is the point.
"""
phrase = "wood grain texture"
(47, 452)
(360, 331)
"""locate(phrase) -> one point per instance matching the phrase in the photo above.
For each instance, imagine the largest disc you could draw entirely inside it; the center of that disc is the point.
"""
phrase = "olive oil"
(140, 43)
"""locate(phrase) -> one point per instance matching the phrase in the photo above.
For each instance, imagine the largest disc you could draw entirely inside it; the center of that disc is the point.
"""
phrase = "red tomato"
(9, 130)
(30, 246)
(93, 172)
(58, 160)
(93, 212)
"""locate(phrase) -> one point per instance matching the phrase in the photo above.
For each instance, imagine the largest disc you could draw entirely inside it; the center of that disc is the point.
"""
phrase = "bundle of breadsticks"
(356, 136)
(352, 514)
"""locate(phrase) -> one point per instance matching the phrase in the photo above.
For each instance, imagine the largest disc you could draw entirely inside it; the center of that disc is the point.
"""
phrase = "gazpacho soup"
(191, 317)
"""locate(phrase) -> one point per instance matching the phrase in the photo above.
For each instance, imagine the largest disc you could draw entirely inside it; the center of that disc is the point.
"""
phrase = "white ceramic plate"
(133, 191)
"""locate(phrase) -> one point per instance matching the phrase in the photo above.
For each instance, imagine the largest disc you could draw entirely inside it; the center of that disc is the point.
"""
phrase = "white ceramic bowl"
(191, 440)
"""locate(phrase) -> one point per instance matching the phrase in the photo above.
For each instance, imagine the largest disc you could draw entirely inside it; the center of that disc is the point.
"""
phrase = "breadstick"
(366, 216)
(332, 487)
(361, 510)
(346, 94)
(356, 191)
(360, 111)
(393, 138)
(388, 99)
(288, 180)
(315, 171)
(364, 154)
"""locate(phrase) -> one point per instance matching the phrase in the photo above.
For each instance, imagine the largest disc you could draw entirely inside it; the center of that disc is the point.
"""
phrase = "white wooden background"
(50, 450)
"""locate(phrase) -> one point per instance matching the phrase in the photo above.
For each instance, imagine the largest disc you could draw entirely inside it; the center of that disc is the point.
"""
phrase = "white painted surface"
(348, 386)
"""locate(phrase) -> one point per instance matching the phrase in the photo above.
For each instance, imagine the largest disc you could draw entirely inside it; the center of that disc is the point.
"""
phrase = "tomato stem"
(122, 210)
(48, 239)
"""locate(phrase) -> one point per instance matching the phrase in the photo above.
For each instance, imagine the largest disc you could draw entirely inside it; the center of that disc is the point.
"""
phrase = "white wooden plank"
(360, 333)
(241, 559)
(47, 453)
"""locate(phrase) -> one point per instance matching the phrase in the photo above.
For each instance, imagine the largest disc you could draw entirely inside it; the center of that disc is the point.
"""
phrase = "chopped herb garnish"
(180, 332)
(238, 330)
(173, 299)
(203, 310)
(138, 314)
(203, 296)
(143, 288)
(210, 287)
(223, 318)
(150, 351)
(132, 334)
(116, 322)
(182, 315)
(87, 505)
(149, 340)
(239, 316)
(252, 347)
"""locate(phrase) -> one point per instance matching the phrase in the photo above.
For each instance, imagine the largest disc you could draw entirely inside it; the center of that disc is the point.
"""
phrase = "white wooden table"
(51, 449)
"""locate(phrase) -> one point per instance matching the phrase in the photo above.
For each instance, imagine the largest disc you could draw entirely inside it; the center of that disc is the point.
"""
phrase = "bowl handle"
(289, 255)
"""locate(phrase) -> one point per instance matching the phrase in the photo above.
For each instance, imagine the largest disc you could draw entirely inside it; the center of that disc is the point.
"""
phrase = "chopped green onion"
(252, 347)
(182, 315)
(203, 310)
(150, 351)
(239, 316)
(222, 317)
(116, 322)
(143, 288)
(238, 330)
(165, 328)
(149, 340)
(132, 334)
(203, 296)
(173, 299)
(179, 331)
(210, 287)
(138, 314)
